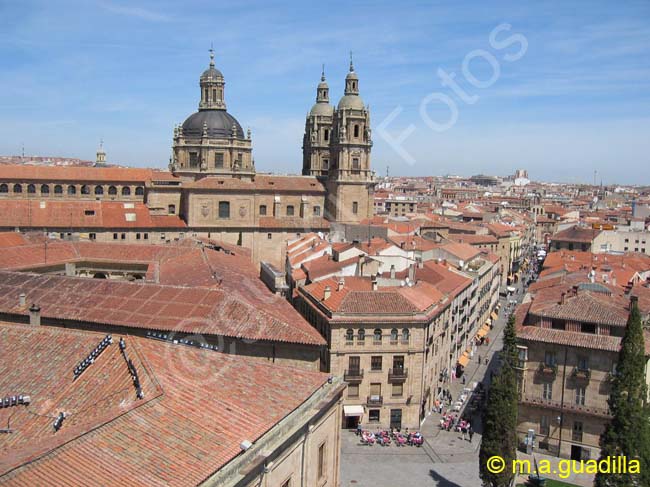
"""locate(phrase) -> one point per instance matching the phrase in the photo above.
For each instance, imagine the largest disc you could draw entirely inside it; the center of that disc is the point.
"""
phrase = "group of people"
(385, 438)
(450, 422)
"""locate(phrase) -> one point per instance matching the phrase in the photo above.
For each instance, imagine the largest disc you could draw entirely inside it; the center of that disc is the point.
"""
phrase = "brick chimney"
(35, 315)
(392, 271)
(340, 285)
(327, 293)
(375, 284)
(22, 300)
(562, 298)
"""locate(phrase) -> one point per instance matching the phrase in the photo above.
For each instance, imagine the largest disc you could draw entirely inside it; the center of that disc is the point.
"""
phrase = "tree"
(500, 414)
(628, 433)
(499, 427)
(509, 352)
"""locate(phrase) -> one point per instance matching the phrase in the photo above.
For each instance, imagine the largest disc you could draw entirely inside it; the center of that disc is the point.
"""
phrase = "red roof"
(260, 183)
(234, 312)
(21, 172)
(53, 214)
(198, 406)
(11, 239)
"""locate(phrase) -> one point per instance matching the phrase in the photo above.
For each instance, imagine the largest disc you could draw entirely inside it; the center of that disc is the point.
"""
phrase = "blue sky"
(577, 100)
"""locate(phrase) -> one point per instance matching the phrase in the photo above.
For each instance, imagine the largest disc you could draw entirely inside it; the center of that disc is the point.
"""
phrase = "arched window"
(58, 189)
(361, 336)
(376, 335)
(126, 191)
(31, 189)
(356, 131)
(405, 335)
(4, 188)
(18, 188)
(99, 190)
(85, 189)
(72, 189)
(45, 189)
(139, 191)
(112, 190)
(393, 335)
(349, 335)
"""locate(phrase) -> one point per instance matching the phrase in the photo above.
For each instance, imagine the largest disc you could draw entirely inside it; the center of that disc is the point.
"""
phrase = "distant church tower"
(100, 159)
(316, 154)
(350, 182)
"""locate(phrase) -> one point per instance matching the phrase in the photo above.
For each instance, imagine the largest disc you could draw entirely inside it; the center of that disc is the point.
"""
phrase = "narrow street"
(445, 460)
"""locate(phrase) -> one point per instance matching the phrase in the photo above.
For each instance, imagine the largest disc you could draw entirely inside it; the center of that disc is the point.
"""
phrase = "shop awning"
(353, 410)
(464, 359)
(494, 316)
(483, 331)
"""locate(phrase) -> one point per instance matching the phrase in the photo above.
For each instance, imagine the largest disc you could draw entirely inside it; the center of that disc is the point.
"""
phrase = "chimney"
(562, 298)
(420, 263)
(22, 300)
(613, 281)
(375, 285)
(392, 271)
(340, 284)
(412, 273)
(633, 300)
(35, 315)
(70, 269)
(327, 293)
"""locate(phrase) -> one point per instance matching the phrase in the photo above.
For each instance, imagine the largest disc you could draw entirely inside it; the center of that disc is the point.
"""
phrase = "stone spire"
(212, 87)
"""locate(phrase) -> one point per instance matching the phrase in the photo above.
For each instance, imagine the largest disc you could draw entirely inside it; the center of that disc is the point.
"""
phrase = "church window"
(31, 189)
(290, 210)
(99, 190)
(112, 190)
(262, 210)
(72, 189)
(316, 210)
(218, 159)
(194, 159)
(4, 188)
(139, 191)
(126, 191)
(214, 95)
(356, 131)
(355, 163)
(45, 189)
(326, 135)
(18, 188)
(58, 189)
(224, 209)
(326, 163)
(355, 207)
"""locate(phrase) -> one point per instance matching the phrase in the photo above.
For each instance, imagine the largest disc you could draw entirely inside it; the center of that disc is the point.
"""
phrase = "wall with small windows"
(101, 190)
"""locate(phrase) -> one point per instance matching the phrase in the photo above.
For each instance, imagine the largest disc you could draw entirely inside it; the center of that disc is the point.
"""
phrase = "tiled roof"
(462, 251)
(570, 338)
(20, 172)
(412, 242)
(447, 281)
(11, 239)
(260, 183)
(325, 265)
(221, 312)
(473, 239)
(91, 214)
(198, 406)
(575, 234)
(585, 306)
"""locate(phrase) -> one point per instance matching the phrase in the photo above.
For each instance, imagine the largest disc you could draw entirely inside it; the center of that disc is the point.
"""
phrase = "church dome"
(211, 73)
(218, 122)
(322, 109)
(351, 101)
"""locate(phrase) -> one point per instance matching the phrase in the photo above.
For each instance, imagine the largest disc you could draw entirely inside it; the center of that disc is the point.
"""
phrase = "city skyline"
(573, 80)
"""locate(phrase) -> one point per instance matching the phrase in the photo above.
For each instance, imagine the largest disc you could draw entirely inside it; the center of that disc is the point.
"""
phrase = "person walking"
(471, 433)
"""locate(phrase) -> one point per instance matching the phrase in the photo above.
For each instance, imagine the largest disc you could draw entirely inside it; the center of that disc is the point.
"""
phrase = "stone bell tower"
(350, 182)
(316, 156)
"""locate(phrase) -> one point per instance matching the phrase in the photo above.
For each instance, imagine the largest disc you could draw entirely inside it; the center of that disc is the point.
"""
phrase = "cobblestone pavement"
(445, 460)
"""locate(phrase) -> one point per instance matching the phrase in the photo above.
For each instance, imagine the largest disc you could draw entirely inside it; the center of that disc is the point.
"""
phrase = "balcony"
(375, 400)
(353, 376)
(398, 374)
(579, 373)
(545, 369)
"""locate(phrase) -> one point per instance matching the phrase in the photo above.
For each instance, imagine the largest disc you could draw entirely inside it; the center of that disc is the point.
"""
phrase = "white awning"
(353, 410)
